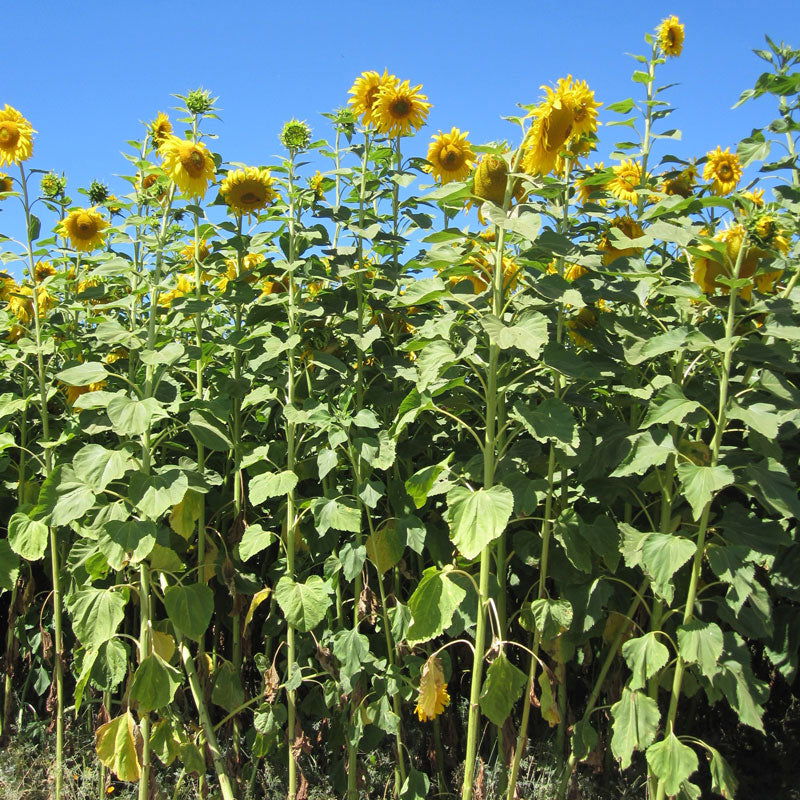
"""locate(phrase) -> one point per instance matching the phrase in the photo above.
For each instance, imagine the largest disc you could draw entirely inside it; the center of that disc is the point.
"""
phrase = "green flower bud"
(200, 101)
(98, 193)
(295, 135)
(53, 185)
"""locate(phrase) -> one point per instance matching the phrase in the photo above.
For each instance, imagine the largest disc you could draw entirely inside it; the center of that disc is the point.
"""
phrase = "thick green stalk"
(716, 442)
(58, 671)
(145, 623)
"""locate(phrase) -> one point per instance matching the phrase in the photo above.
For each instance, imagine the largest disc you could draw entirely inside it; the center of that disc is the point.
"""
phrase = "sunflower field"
(389, 472)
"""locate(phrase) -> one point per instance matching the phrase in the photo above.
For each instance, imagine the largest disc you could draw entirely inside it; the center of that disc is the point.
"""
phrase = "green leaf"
(271, 484)
(760, 417)
(154, 684)
(96, 614)
(672, 762)
(669, 405)
(153, 495)
(550, 617)
(645, 657)
(645, 349)
(303, 604)
(133, 417)
(254, 540)
(111, 666)
(419, 485)
(528, 334)
(663, 554)
(351, 649)
(635, 724)
(209, 431)
(341, 514)
(83, 374)
(227, 692)
(501, 689)
(422, 291)
(701, 643)
(115, 743)
(433, 604)
(753, 148)
(27, 537)
(432, 361)
(773, 487)
(649, 449)
(9, 567)
(189, 608)
(567, 532)
(723, 780)
(416, 784)
(477, 518)
(550, 421)
(700, 484)
(127, 542)
(584, 740)
(385, 547)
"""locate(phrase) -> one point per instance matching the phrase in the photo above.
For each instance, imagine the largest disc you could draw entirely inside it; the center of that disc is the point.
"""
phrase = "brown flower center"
(193, 162)
(401, 107)
(85, 226)
(451, 157)
(251, 198)
(725, 172)
(9, 134)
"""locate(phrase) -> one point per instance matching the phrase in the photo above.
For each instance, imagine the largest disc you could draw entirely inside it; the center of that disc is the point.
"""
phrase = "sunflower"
(482, 269)
(490, 179)
(248, 190)
(450, 156)
(16, 137)
(574, 271)
(6, 183)
(74, 392)
(584, 320)
(189, 164)
(187, 252)
(160, 129)
(365, 92)
(592, 191)
(399, 107)
(671, 35)
(184, 285)
(432, 698)
(249, 263)
(568, 110)
(7, 286)
(756, 197)
(724, 169)
(317, 184)
(680, 183)
(42, 270)
(84, 228)
(628, 227)
(627, 177)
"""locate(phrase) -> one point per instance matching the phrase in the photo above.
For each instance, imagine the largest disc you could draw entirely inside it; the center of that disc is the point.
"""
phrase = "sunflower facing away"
(160, 128)
(6, 183)
(365, 91)
(450, 156)
(627, 177)
(671, 35)
(724, 169)
(16, 137)
(630, 228)
(84, 227)
(680, 183)
(189, 164)
(248, 190)
(399, 108)
(433, 697)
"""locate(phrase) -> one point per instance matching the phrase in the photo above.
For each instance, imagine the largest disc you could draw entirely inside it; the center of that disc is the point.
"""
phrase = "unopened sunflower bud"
(199, 101)
(98, 193)
(53, 185)
(296, 135)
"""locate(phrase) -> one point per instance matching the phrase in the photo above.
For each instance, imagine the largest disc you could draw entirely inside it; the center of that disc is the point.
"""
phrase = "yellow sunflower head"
(6, 183)
(680, 183)
(756, 197)
(583, 321)
(7, 286)
(317, 184)
(671, 35)
(768, 232)
(203, 252)
(631, 229)
(248, 190)
(20, 303)
(626, 180)
(365, 91)
(160, 129)
(450, 156)
(588, 187)
(42, 270)
(84, 227)
(432, 698)
(724, 169)
(491, 177)
(16, 137)
(189, 164)
(399, 108)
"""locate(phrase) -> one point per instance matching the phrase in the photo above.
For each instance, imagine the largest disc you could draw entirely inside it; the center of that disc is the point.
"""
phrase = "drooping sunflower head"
(53, 185)
(6, 183)
(400, 108)
(680, 183)
(433, 697)
(631, 229)
(723, 169)
(365, 91)
(768, 232)
(98, 193)
(84, 227)
(627, 177)
(248, 190)
(584, 106)
(16, 137)
(671, 35)
(450, 156)
(189, 164)
(159, 129)
(491, 177)
(295, 135)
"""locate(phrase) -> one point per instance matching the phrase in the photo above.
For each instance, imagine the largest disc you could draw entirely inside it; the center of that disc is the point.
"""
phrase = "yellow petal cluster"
(85, 229)
(671, 36)
(365, 92)
(432, 698)
(16, 137)
(160, 129)
(248, 190)
(400, 108)
(723, 169)
(630, 228)
(450, 156)
(189, 164)
(626, 180)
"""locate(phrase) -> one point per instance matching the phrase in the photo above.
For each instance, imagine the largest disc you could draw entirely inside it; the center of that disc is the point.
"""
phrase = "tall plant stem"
(58, 668)
(716, 442)
(291, 545)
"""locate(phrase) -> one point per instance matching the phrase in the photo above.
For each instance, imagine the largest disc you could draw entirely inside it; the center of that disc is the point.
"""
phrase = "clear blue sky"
(86, 73)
